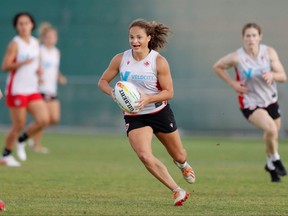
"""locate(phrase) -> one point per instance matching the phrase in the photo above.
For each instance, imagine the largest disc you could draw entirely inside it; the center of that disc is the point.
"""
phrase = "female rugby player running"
(21, 61)
(258, 68)
(155, 116)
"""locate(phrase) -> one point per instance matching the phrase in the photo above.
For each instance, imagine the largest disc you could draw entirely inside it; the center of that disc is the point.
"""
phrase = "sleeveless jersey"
(24, 80)
(143, 74)
(250, 71)
(50, 60)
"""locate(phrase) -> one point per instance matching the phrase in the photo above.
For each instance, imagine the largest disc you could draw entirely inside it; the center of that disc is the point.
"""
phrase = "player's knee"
(54, 120)
(18, 127)
(145, 158)
(271, 132)
(43, 122)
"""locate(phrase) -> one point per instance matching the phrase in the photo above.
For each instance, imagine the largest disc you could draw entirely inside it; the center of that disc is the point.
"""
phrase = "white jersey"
(50, 60)
(143, 74)
(24, 80)
(250, 71)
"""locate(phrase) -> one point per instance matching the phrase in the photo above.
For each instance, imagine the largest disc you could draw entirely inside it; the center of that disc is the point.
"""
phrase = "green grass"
(101, 175)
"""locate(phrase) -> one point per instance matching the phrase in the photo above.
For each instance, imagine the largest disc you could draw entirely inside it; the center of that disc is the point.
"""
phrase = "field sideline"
(101, 175)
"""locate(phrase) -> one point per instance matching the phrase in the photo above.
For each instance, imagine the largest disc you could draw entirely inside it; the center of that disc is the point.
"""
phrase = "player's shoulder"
(118, 57)
(13, 45)
(160, 58)
(269, 49)
(233, 57)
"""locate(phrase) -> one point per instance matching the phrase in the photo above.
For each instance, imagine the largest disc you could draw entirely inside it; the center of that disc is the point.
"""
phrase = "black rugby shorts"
(273, 110)
(162, 121)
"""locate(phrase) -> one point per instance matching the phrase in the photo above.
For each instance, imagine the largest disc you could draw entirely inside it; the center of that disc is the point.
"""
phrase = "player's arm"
(61, 78)
(1, 95)
(9, 63)
(221, 67)
(278, 73)
(109, 74)
(165, 82)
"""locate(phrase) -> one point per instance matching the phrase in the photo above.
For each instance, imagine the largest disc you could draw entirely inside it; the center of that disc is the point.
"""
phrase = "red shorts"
(14, 101)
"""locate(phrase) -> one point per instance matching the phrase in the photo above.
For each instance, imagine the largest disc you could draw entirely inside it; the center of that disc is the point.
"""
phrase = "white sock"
(176, 189)
(275, 156)
(269, 163)
(182, 166)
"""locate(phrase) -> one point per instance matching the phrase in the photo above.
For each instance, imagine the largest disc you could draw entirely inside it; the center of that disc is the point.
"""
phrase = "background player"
(258, 68)
(21, 61)
(49, 77)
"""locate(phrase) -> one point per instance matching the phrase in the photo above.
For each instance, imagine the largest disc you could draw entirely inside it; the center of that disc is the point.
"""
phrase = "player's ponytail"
(159, 34)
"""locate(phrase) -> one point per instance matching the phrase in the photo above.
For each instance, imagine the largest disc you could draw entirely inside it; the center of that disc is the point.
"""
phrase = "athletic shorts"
(17, 101)
(162, 121)
(273, 110)
(48, 97)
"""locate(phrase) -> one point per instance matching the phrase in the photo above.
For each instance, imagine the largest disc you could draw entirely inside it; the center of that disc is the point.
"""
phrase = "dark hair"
(251, 25)
(16, 17)
(158, 32)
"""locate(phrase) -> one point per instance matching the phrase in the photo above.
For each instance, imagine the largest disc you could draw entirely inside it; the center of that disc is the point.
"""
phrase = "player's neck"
(49, 46)
(252, 51)
(25, 38)
(138, 56)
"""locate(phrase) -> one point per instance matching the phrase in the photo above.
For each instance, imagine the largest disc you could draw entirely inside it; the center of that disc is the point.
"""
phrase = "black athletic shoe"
(280, 169)
(273, 174)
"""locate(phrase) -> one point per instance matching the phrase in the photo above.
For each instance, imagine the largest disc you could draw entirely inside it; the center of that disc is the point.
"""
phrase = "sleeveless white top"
(250, 71)
(50, 60)
(143, 74)
(24, 80)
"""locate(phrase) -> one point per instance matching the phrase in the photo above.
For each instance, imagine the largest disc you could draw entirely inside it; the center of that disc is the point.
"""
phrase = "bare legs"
(141, 141)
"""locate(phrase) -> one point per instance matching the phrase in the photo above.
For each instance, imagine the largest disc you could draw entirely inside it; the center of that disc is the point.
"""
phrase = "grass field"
(101, 175)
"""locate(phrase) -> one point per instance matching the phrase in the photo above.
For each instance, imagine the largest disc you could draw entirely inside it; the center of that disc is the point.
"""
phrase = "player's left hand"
(144, 100)
(268, 77)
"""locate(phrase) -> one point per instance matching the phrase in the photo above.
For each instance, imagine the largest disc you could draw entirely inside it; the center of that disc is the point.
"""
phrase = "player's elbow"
(4, 67)
(100, 84)
(171, 94)
(216, 67)
(284, 79)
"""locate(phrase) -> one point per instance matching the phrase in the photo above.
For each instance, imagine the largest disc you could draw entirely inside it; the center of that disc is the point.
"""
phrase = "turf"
(101, 175)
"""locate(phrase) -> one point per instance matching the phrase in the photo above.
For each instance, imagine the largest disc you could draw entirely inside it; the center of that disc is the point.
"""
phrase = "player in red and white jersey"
(21, 61)
(51, 75)
(50, 61)
(143, 75)
(258, 68)
(143, 66)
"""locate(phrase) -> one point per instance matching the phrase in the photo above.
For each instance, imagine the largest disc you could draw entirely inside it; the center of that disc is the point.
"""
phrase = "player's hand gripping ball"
(127, 96)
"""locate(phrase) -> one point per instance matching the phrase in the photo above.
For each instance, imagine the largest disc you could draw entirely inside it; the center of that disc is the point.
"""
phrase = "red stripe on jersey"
(158, 86)
(10, 83)
(240, 97)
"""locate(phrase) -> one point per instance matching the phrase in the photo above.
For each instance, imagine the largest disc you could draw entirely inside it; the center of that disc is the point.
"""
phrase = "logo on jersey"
(147, 63)
(248, 73)
(124, 76)
(139, 77)
(128, 62)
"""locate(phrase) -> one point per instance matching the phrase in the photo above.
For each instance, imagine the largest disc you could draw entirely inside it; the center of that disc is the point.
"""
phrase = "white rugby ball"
(127, 96)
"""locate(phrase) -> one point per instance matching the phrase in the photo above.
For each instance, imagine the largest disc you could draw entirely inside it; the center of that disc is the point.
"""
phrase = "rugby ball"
(127, 96)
